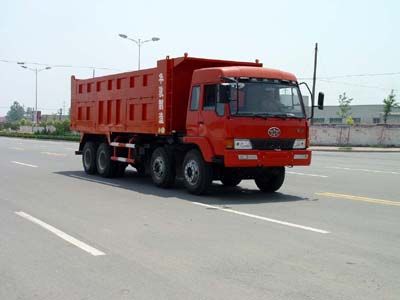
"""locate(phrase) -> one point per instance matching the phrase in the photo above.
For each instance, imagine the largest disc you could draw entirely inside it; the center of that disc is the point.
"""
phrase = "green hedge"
(70, 137)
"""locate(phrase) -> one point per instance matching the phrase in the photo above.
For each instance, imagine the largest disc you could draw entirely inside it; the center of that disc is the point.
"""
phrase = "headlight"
(242, 144)
(299, 144)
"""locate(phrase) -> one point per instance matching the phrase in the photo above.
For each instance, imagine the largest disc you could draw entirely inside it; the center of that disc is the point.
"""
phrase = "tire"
(89, 158)
(197, 174)
(271, 180)
(230, 180)
(162, 168)
(105, 166)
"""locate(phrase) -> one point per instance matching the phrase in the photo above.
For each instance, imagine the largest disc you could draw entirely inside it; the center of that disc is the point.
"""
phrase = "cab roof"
(215, 73)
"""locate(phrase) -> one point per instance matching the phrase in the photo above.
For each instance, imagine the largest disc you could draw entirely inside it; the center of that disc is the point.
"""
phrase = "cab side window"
(195, 99)
(210, 96)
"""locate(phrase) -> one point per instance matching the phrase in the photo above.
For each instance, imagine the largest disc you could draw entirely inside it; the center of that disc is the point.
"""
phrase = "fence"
(358, 135)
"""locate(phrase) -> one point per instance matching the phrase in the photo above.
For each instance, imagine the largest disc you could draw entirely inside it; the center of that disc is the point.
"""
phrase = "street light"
(36, 70)
(139, 43)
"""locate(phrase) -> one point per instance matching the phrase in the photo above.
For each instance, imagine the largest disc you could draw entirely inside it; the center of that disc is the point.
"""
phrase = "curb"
(357, 150)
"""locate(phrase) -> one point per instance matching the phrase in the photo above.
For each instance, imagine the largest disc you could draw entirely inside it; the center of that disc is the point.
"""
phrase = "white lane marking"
(61, 234)
(263, 218)
(364, 170)
(306, 174)
(93, 180)
(71, 149)
(16, 148)
(54, 154)
(24, 164)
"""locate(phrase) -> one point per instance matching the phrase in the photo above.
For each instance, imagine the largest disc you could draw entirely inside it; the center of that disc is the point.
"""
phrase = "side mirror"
(321, 101)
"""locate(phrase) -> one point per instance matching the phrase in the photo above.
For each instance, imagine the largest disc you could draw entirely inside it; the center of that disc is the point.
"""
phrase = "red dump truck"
(194, 118)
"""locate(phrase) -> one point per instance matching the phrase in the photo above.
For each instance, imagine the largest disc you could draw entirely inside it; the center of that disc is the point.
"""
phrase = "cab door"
(192, 118)
(212, 118)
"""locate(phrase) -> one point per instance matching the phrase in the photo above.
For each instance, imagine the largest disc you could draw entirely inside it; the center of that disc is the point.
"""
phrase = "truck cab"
(251, 116)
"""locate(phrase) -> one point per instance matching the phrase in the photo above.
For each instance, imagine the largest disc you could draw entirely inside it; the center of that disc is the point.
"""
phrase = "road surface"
(331, 232)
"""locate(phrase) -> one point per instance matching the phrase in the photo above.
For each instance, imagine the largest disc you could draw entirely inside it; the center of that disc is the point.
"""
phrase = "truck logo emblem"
(274, 132)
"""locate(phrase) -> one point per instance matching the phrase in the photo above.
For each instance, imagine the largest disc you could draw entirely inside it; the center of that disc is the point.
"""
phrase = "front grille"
(271, 144)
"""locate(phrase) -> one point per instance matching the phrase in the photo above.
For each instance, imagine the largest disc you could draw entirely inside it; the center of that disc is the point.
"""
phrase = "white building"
(361, 114)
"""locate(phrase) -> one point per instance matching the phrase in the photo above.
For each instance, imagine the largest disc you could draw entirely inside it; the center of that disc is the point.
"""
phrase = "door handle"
(200, 123)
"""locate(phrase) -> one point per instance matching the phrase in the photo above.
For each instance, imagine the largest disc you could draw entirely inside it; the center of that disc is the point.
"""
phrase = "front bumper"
(266, 158)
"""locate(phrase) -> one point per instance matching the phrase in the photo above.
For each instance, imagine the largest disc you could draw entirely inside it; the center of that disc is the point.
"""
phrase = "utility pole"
(314, 80)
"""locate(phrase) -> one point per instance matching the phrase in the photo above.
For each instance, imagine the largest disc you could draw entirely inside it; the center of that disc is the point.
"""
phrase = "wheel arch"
(203, 145)
(96, 138)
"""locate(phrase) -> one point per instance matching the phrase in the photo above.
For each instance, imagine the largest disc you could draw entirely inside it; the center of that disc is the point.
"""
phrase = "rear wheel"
(197, 173)
(105, 166)
(271, 179)
(162, 168)
(89, 158)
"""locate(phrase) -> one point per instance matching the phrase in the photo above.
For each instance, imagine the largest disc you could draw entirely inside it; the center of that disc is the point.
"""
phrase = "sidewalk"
(354, 149)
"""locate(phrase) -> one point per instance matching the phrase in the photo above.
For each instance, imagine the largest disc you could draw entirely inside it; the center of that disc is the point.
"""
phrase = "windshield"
(263, 98)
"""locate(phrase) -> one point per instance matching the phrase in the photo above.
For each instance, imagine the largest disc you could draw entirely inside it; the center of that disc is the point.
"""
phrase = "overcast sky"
(355, 37)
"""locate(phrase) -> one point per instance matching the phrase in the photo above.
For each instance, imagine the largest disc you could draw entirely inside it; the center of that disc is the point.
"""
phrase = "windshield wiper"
(263, 116)
(284, 116)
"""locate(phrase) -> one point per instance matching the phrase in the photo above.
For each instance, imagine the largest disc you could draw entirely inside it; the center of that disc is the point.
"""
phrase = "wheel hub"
(192, 172)
(158, 167)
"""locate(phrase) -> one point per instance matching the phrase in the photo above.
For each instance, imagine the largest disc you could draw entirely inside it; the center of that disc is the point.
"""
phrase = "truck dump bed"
(150, 101)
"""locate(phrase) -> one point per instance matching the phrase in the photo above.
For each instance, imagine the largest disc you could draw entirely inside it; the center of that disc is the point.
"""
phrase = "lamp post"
(36, 71)
(139, 43)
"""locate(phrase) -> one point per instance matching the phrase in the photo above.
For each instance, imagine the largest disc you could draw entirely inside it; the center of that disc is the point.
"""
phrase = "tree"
(15, 113)
(344, 106)
(388, 104)
(29, 113)
(62, 127)
(350, 121)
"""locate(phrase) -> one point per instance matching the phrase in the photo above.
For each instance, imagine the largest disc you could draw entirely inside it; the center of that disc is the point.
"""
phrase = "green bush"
(9, 125)
(62, 127)
(67, 137)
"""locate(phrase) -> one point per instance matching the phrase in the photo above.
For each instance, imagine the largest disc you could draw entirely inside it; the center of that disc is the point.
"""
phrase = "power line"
(357, 85)
(59, 66)
(114, 69)
(353, 75)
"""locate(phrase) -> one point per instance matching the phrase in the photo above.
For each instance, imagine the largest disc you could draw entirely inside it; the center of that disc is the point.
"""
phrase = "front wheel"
(197, 173)
(271, 179)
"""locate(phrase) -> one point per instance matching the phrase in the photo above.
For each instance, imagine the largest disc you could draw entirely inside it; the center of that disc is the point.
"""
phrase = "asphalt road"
(332, 232)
